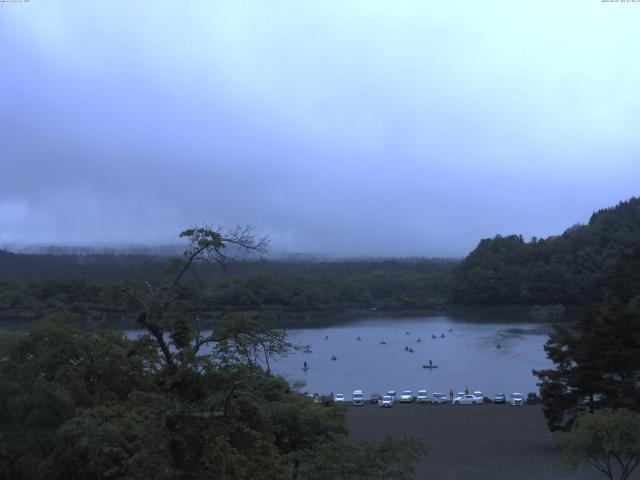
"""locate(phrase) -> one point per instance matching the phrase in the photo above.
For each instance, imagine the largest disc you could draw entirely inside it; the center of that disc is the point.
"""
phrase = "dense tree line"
(567, 269)
(247, 286)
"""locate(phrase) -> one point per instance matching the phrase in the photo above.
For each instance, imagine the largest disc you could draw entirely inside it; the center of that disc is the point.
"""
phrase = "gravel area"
(479, 442)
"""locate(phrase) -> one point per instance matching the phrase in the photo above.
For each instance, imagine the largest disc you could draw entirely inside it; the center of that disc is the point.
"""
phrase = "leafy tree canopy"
(176, 403)
(608, 440)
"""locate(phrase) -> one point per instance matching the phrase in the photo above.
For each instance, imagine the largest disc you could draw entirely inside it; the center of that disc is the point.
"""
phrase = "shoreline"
(19, 321)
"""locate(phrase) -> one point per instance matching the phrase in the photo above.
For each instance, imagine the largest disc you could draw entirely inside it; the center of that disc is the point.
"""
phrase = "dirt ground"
(491, 442)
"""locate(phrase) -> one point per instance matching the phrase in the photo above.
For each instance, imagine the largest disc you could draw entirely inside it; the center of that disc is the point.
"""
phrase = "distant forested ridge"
(570, 269)
(32, 286)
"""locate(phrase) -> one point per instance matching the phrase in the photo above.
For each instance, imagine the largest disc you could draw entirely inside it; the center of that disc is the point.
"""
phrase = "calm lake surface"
(467, 356)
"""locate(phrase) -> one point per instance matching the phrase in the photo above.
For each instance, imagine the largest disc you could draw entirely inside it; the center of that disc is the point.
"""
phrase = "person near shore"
(466, 390)
(430, 363)
(451, 394)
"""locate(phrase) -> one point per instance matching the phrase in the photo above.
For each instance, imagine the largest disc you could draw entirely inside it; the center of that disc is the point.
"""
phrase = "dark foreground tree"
(608, 440)
(390, 458)
(597, 362)
(175, 403)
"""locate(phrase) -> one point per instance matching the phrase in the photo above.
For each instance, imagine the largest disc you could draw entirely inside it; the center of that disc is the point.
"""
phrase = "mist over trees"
(569, 269)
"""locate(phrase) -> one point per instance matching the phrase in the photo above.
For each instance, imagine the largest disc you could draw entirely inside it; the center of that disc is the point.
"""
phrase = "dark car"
(532, 398)
(375, 398)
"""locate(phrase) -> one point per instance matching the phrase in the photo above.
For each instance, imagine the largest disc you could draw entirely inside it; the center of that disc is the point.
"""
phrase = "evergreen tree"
(597, 362)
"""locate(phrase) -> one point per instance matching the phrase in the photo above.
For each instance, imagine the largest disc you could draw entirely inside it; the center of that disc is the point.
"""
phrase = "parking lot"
(477, 442)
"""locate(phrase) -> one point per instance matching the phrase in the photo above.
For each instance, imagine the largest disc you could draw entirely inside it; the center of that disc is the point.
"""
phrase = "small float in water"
(334, 358)
(429, 365)
(382, 342)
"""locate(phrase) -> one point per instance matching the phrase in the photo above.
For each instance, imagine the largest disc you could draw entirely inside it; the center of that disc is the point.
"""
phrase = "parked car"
(338, 397)
(479, 394)
(516, 399)
(422, 396)
(438, 398)
(467, 400)
(499, 398)
(391, 393)
(357, 398)
(406, 396)
(375, 398)
(532, 398)
(387, 401)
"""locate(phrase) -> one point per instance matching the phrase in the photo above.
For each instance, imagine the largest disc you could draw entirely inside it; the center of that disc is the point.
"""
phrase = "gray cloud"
(359, 130)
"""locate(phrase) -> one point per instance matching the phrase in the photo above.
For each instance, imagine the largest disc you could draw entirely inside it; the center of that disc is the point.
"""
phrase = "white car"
(517, 399)
(422, 396)
(391, 393)
(479, 394)
(467, 400)
(406, 396)
(357, 398)
(438, 398)
(387, 401)
(338, 397)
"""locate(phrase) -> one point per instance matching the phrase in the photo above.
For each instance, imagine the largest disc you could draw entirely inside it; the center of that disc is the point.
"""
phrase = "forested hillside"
(567, 269)
(32, 286)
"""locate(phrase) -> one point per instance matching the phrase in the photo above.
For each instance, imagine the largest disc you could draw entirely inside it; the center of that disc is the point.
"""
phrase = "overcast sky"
(336, 127)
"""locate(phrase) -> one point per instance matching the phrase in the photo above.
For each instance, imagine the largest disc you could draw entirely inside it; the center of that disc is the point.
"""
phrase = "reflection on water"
(489, 356)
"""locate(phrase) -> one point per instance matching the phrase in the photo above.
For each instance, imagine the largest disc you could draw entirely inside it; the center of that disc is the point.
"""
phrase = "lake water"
(467, 356)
